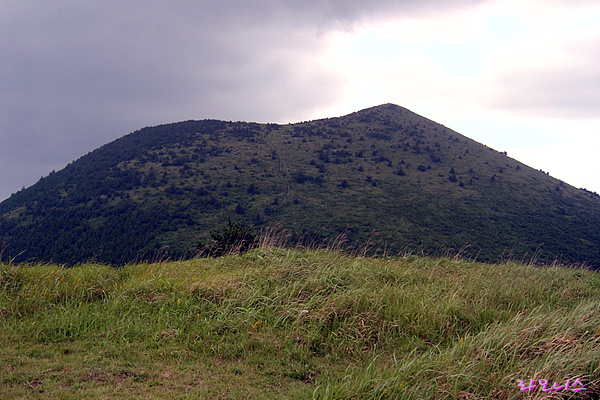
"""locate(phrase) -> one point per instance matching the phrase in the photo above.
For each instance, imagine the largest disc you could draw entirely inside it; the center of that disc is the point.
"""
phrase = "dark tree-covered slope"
(383, 174)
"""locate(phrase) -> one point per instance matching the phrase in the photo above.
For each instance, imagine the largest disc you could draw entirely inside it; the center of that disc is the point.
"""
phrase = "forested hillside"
(385, 176)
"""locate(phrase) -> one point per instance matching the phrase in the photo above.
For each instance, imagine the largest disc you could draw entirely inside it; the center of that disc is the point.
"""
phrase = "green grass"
(297, 324)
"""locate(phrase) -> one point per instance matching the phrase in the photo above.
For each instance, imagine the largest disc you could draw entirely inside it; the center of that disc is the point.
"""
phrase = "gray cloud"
(77, 74)
(569, 89)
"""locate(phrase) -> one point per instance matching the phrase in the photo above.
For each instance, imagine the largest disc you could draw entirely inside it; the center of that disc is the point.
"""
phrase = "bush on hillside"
(236, 237)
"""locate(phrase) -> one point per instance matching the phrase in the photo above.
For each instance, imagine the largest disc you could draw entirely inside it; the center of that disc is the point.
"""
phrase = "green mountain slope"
(383, 174)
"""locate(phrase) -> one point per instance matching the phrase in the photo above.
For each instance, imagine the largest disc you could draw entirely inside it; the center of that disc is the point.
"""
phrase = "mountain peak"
(383, 172)
(382, 108)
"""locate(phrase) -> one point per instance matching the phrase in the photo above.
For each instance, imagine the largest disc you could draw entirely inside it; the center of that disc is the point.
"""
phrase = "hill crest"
(382, 174)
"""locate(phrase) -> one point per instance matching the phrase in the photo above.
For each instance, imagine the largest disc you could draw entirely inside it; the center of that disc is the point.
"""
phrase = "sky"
(521, 76)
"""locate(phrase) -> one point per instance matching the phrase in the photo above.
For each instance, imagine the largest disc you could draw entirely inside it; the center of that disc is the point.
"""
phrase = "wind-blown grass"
(287, 323)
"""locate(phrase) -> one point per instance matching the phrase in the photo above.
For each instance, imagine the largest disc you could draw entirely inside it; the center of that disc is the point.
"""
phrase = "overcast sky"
(520, 76)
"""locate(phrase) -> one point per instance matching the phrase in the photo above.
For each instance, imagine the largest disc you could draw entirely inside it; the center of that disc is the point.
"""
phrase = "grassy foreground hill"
(298, 324)
(383, 174)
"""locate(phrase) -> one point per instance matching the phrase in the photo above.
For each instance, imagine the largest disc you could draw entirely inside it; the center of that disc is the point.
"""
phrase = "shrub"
(236, 237)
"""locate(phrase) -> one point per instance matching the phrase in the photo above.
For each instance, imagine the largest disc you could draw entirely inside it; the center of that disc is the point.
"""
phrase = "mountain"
(384, 175)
